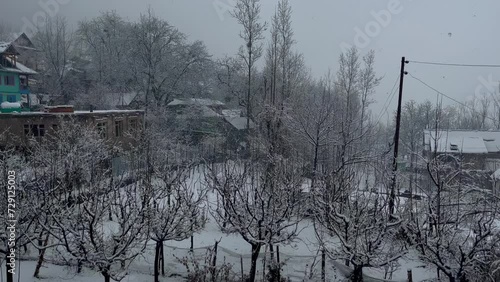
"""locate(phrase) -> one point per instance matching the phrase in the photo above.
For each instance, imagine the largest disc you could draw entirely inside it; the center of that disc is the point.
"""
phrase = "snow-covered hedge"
(9, 105)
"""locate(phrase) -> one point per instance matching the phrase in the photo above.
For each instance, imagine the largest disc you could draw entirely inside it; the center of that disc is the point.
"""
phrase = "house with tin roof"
(478, 150)
(14, 78)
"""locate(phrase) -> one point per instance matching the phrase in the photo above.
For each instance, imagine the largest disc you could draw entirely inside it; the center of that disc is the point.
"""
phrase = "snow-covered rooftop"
(4, 46)
(77, 112)
(20, 68)
(196, 101)
(496, 175)
(233, 116)
(120, 99)
(207, 112)
(33, 99)
(238, 122)
(231, 113)
(461, 141)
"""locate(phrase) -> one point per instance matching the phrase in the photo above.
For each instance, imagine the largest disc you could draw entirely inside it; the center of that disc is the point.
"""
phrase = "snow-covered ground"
(298, 256)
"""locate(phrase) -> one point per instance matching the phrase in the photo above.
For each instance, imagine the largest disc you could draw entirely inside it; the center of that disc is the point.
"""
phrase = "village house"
(14, 78)
(476, 153)
(210, 122)
(28, 54)
(119, 127)
(478, 150)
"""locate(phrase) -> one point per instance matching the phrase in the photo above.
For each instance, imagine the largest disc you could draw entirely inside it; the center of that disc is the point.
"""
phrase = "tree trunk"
(107, 277)
(162, 252)
(462, 277)
(323, 265)
(10, 270)
(157, 261)
(191, 248)
(278, 262)
(271, 252)
(41, 255)
(315, 163)
(357, 274)
(249, 84)
(214, 262)
(253, 267)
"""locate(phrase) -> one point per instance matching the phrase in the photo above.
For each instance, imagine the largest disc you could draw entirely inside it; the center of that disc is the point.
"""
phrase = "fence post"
(241, 264)
(264, 265)
(410, 276)
(278, 260)
(323, 265)
(214, 262)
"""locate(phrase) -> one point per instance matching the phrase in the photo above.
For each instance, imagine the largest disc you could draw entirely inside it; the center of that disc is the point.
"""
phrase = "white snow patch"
(9, 105)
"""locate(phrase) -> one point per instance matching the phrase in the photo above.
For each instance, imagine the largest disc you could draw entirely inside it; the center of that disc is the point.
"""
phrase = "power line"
(388, 100)
(456, 64)
(453, 99)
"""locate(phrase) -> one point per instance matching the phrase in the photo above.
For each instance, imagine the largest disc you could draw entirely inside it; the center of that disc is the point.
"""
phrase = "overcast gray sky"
(451, 31)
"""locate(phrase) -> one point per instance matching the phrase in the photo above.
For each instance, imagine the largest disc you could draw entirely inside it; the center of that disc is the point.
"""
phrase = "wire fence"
(183, 261)
(178, 260)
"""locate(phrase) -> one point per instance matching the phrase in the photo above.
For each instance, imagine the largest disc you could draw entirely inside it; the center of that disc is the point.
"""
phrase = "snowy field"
(298, 257)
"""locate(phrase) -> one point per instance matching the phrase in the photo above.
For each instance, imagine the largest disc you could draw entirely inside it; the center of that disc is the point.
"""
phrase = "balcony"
(24, 89)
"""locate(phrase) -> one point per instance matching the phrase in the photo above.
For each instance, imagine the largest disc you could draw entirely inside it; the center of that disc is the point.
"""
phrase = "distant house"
(238, 131)
(119, 127)
(207, 120)
(198, 118)
(479, 150)
(120, 100)
(235, 118)
(29, 55)
(14, 76)
(208, 106)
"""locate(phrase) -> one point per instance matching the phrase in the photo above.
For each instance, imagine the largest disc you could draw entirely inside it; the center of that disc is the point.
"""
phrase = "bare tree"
(107, 41)
(368, 82)
(55, 40)
(85, 195)
(17, 216)
(485, 110)
(455, 228)
(5, 32)
(359, 220)
(262, 208)
(177, 206)
(247, 13)
(312, 121)
(163, 61)
(231, 76)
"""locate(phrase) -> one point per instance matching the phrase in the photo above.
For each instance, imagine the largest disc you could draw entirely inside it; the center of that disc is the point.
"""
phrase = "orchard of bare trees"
(313, 157)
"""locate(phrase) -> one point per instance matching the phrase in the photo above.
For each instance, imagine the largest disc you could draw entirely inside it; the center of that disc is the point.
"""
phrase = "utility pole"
(392, 196)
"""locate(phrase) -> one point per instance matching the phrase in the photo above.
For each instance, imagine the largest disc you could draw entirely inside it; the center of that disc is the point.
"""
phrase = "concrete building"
(120, 127)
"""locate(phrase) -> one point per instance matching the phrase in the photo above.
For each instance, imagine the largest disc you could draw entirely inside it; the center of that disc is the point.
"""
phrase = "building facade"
(118, 127)
(479, 150)
(14, 77)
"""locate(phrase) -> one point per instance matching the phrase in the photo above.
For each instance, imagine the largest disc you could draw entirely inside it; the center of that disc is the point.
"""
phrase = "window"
(9, 80)
(119, 128)
(132, 124)
(11, 98)
(37, 130)
(453, 147)
(102, 129)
